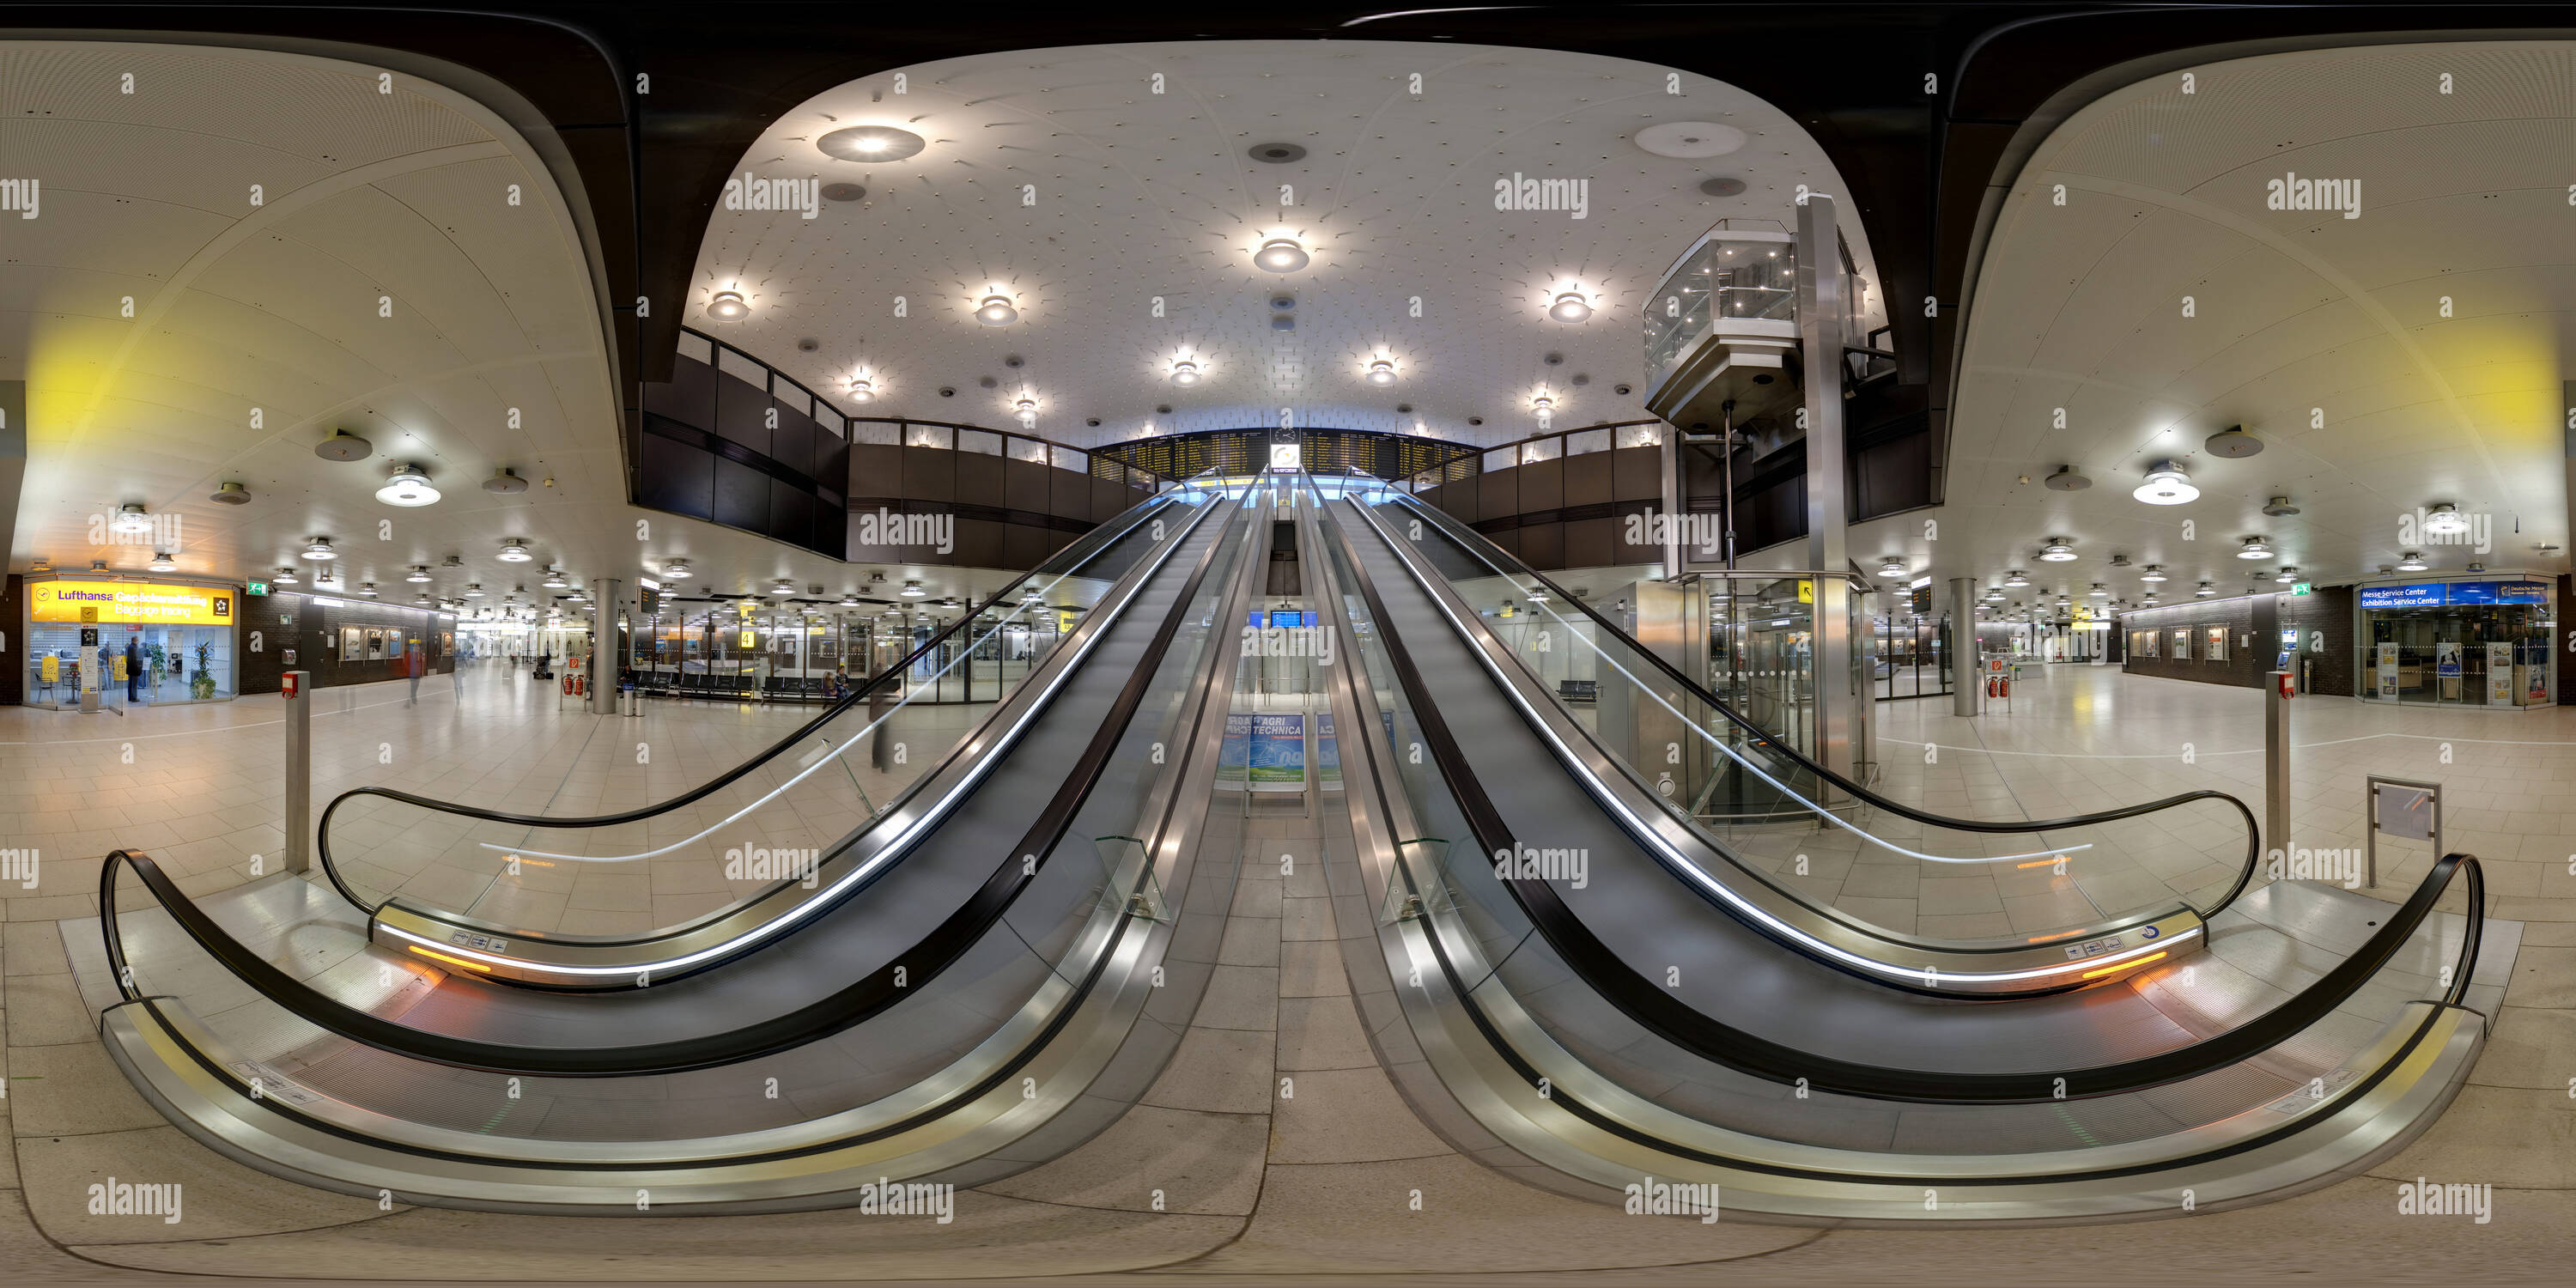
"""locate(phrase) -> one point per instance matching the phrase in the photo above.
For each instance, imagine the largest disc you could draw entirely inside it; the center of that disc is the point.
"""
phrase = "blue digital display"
(2428, 596)
(1292, 619)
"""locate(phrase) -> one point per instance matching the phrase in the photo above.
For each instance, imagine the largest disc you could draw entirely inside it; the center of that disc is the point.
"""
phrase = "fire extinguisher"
(2004, 685)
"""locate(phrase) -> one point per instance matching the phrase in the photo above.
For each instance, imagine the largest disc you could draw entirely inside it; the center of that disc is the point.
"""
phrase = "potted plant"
(201, 686)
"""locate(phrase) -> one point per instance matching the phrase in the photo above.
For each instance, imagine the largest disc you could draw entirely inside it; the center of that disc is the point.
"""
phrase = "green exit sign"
(259, 588)
(2298, 588)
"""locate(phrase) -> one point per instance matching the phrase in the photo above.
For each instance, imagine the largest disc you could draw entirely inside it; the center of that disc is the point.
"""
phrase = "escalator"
(1620, 995)
(944, 995)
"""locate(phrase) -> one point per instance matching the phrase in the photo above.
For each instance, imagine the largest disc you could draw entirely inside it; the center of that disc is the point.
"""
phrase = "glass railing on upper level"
(1744, 279)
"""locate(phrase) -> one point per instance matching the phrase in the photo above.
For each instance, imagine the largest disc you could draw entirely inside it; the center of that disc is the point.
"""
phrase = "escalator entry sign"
(485, 943)
(2092, 948)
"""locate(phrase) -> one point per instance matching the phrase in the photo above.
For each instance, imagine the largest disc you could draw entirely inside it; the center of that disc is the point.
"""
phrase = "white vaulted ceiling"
(1139, 194)
(2295, 315)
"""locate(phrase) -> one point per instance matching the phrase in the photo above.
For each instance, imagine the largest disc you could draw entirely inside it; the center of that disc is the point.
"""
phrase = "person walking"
(414, 659)
(133, 671)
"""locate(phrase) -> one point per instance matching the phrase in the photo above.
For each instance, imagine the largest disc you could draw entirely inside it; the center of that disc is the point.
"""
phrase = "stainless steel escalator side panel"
(941, 1127)
(458, 944)
(2118, 947)
(1451, 1068)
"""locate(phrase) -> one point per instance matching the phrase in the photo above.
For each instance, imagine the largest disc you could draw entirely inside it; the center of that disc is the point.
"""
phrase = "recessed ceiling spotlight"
(728, 306)
(1690, 140)
(2058, 550)
(2445, 520)
(871, 143)
(2166, 485)
(343, 446)
(996, 310)
(1542, 402)
(2254, 548)
(513, 550)
(1276, 153)
(1381, 372)
(2411, 561)
(1185, 372)
(409, 486)
(2153, 572)
(1281, 255)
(2016, 579)
(2233, 442)
(131, 518)
(1569, 306)
(320, 548)
(162, 562)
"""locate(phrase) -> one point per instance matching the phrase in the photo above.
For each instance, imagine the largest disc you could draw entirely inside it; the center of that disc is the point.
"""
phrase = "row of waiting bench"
(737, 688)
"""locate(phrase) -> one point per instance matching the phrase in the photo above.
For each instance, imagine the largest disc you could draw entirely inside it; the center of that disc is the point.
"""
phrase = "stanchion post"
(2276, 764)
(298, 693)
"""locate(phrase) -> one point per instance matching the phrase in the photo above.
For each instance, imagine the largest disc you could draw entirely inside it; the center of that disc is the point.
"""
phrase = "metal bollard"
(2276, 764)
(297, 690)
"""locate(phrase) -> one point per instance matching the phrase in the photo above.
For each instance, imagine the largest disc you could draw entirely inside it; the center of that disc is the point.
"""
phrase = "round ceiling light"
(230, 494)
(2066, 479)
(1381, 372)
(2057, 551)
(474, 590)
(419, 572)
(1892, 568)
(1542, 402)
(2166, 485)
(862, 389)
(996, 310)
(284, 577)
(131, 518)
(553, 579)
(505, 483)
(1185, 372)
(675, 569)
(513, 551)
(2287, 576)
(1690, 140)
(2444, 520)
(343, 446)
(2016, 579)
(2154, 572)
(2233, 442)
(2099, 591)
(2254, 548)
(1570, 306)
(782, 588)
(367, 588)
(728, 306)
(1281, 255)
(162, 562)
(320, 548)
(2411, 561)
(409, 485)
(1722, 186)
(913, 590)
(2206, 590)
(871, 143)
(1276, 153)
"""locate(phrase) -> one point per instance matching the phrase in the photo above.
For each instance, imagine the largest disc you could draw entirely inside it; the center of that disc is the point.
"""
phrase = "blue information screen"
(2438, 594)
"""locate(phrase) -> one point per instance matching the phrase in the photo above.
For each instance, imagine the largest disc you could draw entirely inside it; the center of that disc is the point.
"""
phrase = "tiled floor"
(1279, 1147)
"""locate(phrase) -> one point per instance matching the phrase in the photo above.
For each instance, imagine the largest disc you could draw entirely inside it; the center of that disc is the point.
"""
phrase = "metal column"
(603, 645)
(1820, 328)
(1963, 646)
(298, 693)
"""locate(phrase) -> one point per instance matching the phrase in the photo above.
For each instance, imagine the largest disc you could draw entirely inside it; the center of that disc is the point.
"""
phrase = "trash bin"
(630, 701)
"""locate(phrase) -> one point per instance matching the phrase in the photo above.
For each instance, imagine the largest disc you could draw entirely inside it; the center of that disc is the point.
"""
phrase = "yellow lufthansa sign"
(129, 602)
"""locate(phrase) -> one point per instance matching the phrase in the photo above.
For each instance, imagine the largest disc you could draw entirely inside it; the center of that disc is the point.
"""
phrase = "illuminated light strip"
(1745, 907)
(2121, 966)
(2042, 863)
(809, 907)
(853, 740)
(452, 961)
(1738, 757)
(2062, 934)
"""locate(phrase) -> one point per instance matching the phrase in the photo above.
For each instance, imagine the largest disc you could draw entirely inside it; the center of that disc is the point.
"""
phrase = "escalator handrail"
(1662, 1012)
(858, 694)
(1774, 745)
(853, 1004)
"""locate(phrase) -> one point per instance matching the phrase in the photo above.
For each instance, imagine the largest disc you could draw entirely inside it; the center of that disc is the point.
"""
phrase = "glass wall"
(181, 637)
(2464, 644)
